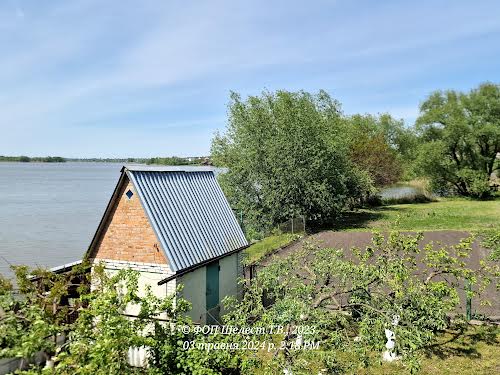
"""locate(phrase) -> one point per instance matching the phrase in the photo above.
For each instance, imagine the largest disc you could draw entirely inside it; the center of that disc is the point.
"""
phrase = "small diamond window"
(129, 194)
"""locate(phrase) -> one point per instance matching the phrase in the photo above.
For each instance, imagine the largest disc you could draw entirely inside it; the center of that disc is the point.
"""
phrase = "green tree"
(35, 314)
(400, 137)
(380, 145)
(173, 160)
(37, 310)
(347, 298)
(374, 156)
(287, 155)
(461, 139)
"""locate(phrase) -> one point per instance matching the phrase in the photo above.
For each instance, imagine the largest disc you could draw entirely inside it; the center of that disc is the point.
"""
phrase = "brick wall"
(128, 235)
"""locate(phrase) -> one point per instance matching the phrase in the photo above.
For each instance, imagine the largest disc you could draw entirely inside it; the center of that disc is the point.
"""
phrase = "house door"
(212, 293)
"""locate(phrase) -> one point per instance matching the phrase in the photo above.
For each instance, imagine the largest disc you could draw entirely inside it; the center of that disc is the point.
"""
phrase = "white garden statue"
(390, 355)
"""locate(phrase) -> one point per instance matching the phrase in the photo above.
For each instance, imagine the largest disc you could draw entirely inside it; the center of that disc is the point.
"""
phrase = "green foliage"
(416, 197)
(100, 338)
(266, 246)
(475, 351)
(26, 159)
(170, 356)
(461, 138)
(381, 145)
(113, 316)
(287, 156)
(445, 214)
(174, 160)
(350, 297)
(400, 138)
(374, 155)
(477, 182)
(33, 315)
(102, 335)
(491, 240)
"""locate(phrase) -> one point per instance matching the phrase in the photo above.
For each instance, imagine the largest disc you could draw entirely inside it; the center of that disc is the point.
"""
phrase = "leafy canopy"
(379, 146)
(287, 155)
(461, 139)
(34, 319)
(383, 146)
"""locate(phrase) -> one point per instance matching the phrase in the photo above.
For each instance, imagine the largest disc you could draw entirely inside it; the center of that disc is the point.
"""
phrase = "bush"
(373, 201)
(409, 199)
(477, 182)
(491, 241)
(347, 297)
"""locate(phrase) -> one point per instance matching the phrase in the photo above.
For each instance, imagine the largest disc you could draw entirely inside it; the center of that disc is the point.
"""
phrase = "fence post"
(468, 291)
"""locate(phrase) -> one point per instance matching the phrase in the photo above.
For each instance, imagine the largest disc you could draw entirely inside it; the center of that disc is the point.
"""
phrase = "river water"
(49, 211)
(399, 191)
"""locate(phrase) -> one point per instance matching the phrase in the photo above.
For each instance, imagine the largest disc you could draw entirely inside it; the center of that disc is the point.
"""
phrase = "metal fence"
(293, 225)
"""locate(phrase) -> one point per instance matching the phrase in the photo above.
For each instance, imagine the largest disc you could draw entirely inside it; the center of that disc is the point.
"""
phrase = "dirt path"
(346, 240)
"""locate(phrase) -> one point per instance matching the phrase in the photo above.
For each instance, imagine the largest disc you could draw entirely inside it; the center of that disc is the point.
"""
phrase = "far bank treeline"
(171, 160)
(295, 154)
(37, 159)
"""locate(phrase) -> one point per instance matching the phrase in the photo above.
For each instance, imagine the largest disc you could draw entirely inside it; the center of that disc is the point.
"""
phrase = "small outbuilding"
(175, 226)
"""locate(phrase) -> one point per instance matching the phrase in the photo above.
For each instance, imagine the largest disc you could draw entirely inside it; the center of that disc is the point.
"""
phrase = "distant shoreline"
(36, 159)
(173, 160)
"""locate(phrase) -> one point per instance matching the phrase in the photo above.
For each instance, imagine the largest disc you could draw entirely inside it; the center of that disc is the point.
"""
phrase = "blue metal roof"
(189, 213)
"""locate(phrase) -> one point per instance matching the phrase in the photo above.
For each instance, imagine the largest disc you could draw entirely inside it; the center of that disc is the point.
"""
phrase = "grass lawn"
(475, 353)
(269, 244)
(451, 214)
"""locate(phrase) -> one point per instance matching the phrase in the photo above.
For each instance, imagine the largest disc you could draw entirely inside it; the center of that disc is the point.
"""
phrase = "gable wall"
(195, 286)
(128, 235)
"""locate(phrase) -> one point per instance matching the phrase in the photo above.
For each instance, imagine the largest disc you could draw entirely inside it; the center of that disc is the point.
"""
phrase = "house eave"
(199, 265)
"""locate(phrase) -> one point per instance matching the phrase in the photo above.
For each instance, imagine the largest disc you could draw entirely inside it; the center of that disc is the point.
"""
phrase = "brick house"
(173, 225)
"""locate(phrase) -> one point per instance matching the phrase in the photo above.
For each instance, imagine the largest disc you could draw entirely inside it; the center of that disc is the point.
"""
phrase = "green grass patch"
(409, 199)
(259, 250)
(445, 214)
(473, 353)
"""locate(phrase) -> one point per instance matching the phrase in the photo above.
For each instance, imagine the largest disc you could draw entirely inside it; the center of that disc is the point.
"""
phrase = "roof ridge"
(168, 168)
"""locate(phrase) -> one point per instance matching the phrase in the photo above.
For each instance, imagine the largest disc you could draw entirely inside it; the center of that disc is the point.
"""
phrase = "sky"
(93, 78)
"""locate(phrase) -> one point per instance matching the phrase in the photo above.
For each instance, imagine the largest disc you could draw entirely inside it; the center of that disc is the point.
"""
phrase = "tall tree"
(461, 135)
(286, 154)
(380, 145)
